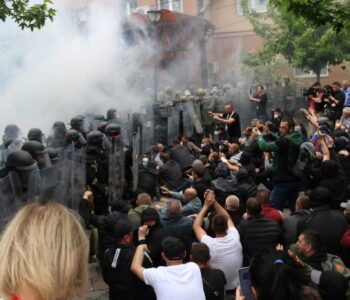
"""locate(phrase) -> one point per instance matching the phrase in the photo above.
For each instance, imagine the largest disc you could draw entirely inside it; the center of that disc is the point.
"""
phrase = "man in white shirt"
(176, 281)
(225, 249)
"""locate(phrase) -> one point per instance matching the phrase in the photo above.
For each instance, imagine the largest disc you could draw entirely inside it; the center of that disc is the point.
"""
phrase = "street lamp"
(154, 17)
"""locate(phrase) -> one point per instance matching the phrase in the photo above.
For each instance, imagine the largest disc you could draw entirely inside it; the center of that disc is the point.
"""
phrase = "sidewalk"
(98, 290)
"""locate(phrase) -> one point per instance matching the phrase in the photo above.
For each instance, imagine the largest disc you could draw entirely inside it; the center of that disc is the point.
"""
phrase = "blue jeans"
(285, 191)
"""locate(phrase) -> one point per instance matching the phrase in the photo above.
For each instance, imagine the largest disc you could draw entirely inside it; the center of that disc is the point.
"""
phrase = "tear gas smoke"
(63, 70)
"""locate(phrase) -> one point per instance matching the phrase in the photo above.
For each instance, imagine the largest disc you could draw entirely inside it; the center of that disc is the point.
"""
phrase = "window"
(259, 6)
(300, 73)
(131, 6)
(174, 5)
(200, 5)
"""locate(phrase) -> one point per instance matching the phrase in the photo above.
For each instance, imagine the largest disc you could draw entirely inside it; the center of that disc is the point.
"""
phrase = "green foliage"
(299, 41)
(264, 73)
(318, 12)
(26, 15)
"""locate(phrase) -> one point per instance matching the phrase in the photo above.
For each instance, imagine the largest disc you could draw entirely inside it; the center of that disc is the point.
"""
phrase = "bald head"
(190, 194)
(174, 208)
(160, 147)
(232, 203)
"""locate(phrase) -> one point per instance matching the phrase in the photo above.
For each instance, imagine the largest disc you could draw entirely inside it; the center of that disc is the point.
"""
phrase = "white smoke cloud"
(59, 71)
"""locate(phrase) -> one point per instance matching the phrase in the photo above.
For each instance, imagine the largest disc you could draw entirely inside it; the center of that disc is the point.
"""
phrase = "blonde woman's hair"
(45, 248)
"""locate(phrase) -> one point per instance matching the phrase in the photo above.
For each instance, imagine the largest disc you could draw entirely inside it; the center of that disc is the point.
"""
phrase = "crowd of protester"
(273, 197)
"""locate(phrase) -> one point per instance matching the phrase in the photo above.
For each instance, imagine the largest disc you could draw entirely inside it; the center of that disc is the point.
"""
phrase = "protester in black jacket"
(147, 181)
(157, 233)
(116, 265)
(331, 224)
(170, 174)
(258, 233)
(334, 181)
(181, 155)
(105, 225)
(225, 185)
(246, 186)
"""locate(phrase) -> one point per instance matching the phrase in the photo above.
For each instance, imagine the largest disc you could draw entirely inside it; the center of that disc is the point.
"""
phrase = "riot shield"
(187, 118)
(34, 186)
(74, 175)
(208, 104)
(126, 131)
(173, 124)
(197, 118)
(220, 102)
(116, 172)
(10, 198)
(3, 158)
(147, 138)
(53, 184)
(135, 159)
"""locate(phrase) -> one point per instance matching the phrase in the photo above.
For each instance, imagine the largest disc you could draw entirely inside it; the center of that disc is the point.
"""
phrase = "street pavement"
(98, 290)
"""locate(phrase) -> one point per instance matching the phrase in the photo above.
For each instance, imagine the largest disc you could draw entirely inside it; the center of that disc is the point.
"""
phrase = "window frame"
(252, 4)
(171, 5)
(311, 74)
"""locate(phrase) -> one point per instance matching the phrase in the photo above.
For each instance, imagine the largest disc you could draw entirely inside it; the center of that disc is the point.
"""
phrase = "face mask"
(202, 145)
(297, 129)
(275, 116)
(145, 162)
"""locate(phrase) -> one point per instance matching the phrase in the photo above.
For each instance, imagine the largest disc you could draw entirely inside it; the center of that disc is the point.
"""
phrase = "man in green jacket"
(285, 151)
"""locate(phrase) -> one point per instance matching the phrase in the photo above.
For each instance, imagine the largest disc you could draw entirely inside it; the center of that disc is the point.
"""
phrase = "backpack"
(335, 263)
(307, 154)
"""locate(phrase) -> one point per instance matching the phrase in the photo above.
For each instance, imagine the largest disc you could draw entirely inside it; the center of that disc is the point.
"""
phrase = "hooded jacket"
(124, 284)
(147, 180)
(179, 227)
(334, 181)
(331, 235)
(224, 187)
(285, 150)
(156, 235)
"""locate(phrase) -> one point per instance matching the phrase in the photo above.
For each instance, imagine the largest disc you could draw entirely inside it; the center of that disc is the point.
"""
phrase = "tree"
(26, 15)
(319, 12)
(304, 45)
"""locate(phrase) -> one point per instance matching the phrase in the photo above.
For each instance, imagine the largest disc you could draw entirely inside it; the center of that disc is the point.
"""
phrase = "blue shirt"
(347, 96)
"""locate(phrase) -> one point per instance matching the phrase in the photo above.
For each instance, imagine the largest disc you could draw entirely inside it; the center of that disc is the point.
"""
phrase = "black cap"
(222, 170)
(319, 196)
(173, 248)
(149, 213)
(121, 228)
(120, 205)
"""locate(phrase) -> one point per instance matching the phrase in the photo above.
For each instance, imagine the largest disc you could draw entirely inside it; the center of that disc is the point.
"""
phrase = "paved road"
(98, 290)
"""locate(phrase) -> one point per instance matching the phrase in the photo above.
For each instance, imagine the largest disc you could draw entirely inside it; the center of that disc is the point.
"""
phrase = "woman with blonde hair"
(43, 254)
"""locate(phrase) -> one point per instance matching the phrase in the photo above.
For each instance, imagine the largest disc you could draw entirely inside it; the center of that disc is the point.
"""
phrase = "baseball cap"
(173, 248)
(121, 228)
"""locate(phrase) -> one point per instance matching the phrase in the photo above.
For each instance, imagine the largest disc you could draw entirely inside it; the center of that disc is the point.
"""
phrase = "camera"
(327, 91)
(311, 91)
(324, 129)
(323, 125)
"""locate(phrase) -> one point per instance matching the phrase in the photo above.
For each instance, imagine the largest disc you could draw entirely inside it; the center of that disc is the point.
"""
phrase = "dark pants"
(285, 191)
(233, 139)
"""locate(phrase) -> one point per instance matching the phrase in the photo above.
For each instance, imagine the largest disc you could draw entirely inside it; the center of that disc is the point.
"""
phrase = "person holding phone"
(273, 275)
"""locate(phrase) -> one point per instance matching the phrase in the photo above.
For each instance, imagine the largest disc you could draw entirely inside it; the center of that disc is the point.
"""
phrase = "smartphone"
(245, 284)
